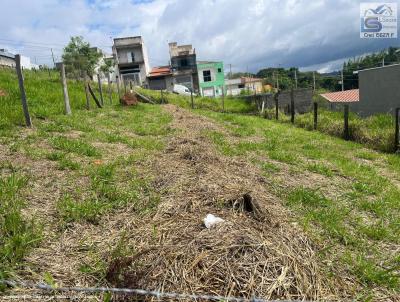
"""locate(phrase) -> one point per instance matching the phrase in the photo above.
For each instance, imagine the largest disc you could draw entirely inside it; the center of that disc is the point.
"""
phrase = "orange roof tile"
(347, 96)
(160, 71)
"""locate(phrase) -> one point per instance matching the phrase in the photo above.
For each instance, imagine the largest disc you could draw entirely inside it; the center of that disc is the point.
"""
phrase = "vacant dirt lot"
(120, 198)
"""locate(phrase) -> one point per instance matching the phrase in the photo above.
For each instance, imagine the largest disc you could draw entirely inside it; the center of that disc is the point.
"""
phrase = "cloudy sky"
(249, 34)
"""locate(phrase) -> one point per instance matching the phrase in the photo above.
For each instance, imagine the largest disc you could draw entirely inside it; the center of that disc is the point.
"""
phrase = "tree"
(79, 58)
(108, 66)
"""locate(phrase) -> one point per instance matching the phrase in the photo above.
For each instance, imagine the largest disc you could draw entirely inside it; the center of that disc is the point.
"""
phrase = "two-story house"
(132, 62)
(183, 65)
(211, 78)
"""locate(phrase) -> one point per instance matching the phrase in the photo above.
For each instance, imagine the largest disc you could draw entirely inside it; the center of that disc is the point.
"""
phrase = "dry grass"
(258, 251)
(251, 254)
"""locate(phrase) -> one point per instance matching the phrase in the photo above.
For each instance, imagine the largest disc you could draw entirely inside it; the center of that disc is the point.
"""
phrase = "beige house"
(236, 86)
(253, 84)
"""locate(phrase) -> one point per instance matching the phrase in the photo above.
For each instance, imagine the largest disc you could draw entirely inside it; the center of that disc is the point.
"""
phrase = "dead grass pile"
(129, 99)
(2, 93)
(239, 258)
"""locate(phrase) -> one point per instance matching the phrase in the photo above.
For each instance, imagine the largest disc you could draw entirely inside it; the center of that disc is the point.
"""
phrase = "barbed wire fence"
(139, 292)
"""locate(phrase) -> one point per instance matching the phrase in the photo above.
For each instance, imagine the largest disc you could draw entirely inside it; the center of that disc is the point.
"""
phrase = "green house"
(211, 78)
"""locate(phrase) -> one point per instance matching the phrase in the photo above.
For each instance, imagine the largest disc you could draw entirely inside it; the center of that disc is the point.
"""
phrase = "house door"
(209, 91)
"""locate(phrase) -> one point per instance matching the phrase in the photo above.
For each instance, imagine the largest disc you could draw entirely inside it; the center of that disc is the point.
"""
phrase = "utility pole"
(295, 77)
(230, 77)
(383, 62)
(313, 80)
(342, 81)
(273, 78)
(277, 81)
(52, 55)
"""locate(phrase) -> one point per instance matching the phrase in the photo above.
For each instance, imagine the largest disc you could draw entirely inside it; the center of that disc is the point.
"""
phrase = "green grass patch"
(320, 169)
(90, 210)
(77, 146)
(18, 235)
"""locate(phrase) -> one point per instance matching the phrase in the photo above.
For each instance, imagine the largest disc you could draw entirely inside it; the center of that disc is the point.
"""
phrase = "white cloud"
(253, 33)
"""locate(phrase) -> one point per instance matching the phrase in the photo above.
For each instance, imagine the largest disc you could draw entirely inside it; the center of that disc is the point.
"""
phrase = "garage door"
(208, 91)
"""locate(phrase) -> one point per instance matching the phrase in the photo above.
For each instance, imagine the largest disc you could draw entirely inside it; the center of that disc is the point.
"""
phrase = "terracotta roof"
(347, 96)
(160, 71)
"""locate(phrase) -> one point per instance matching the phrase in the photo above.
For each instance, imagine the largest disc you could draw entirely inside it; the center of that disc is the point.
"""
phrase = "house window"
(184, 63)
(206, 76)
(219, 69)
(131, 57)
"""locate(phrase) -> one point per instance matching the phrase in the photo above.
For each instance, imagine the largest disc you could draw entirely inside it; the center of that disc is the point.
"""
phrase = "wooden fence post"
(191, 98)
(22, 90)
(65, 89)
(87, 94)
(109, 87)
(262, 105)
(100, 90)
(94, 97)
(118, 88)
(396, 133)
(315, 115)
(276, 106)
(223, 100)
(346, 122)
(292, 105)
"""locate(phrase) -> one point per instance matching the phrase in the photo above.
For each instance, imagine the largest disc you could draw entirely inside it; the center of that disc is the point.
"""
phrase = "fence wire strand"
(129, 291)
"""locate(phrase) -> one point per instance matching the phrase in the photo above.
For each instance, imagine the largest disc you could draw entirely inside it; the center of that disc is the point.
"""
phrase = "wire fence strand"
(129, 291)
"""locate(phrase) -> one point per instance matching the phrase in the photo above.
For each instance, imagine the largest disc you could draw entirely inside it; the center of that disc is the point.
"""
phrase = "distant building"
(234, 86)
(27, 64)
(379, 90)
(132, 60)
(6, 59)
(251, 85)
(160, 78)
(183, 65)
(254, 85)
(211, 78)
(103, 58)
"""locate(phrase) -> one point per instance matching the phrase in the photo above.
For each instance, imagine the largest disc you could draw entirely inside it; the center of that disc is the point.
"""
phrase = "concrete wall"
(178, 50)
(379, 90)
(302, 100)
(162, 83)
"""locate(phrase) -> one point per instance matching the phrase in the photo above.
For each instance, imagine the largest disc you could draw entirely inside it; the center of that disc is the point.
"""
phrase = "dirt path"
(256, 251)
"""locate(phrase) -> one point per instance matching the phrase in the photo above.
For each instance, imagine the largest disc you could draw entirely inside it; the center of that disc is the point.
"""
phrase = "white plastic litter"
(212, 220)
